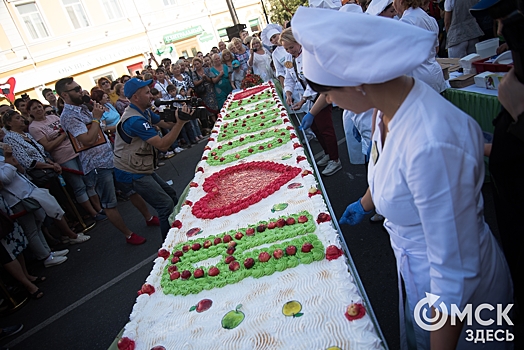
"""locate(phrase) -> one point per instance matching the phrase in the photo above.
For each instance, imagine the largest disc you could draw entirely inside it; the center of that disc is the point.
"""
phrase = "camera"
(194, 102)
(168, 114)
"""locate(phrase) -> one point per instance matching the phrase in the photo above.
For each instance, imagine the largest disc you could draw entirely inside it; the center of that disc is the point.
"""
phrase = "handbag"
(42, 177)
(200, 89)
(30, 204)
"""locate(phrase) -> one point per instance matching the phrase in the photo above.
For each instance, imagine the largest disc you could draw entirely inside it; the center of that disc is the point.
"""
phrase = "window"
(222, 33)
(32, 20)
(108, 75)
(113, 9)
(194, 51)
(76, 13)
(184, 53)
(254, 25)
(169, 2)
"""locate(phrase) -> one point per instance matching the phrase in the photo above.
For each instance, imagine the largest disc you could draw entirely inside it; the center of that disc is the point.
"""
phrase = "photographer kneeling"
(135, 149)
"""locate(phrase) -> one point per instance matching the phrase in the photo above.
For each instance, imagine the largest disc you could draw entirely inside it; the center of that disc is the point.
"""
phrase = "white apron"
(427, 182)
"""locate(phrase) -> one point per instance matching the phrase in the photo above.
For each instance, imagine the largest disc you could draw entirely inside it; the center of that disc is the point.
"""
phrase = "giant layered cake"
(253, 260)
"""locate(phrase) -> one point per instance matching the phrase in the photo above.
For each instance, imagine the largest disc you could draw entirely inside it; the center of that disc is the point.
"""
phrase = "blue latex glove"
(306, 121)
(353, 214)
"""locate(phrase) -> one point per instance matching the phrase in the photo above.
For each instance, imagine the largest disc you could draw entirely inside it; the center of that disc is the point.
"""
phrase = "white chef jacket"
(279, 57)
(429, 71)
(426, 180)
(291, 83)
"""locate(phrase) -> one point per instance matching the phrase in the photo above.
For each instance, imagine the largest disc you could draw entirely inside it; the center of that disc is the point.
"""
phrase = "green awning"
(182, 34)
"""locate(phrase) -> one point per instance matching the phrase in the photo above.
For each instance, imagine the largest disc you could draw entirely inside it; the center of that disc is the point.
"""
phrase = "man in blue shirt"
(136, 143)
(96, 157)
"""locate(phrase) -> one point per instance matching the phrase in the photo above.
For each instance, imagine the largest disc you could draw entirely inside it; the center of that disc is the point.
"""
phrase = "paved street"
(89, 298)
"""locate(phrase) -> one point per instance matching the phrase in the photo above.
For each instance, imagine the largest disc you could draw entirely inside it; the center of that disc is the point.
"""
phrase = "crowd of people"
(110, 140)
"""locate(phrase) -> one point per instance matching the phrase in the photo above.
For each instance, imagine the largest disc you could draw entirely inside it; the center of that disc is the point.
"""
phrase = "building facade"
(42, 41)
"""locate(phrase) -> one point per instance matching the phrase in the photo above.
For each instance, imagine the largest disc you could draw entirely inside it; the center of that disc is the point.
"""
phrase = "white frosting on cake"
(324, 288)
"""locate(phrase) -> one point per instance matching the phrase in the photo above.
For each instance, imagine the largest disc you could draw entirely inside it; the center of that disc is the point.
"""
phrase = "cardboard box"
(462, 81)
(480, 79)
(448, 65)
(467, 63)
(493, 80)
(489, 80)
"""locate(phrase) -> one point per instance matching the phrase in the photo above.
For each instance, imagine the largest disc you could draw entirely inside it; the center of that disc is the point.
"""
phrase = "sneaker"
(54, 260)
(169, 154)
(178, 150)
(154, 221)
(64, 239)
(60, 252)
(332, 167)
(80, 238)
(100, 217)
(323, 161)
(135, 239)
(10, 330)
(160, 164)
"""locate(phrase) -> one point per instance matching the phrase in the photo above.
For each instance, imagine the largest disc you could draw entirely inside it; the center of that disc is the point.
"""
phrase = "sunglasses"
(49, 112)
(9, 113)
(104, 82)
(75, 89)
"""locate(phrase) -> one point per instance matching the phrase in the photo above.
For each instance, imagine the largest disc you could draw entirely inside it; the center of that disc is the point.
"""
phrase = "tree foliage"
(282, 10)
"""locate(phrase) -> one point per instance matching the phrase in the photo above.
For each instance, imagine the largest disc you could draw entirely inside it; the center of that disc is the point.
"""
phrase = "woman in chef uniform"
(425, 173)
(429, 71)
(271, 37)
(294, 83)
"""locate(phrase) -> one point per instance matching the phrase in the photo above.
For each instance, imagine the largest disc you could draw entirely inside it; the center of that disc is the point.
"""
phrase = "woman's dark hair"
(7, 117)
(319, 88)
(31, 103)
(154, 91)
(97, 95)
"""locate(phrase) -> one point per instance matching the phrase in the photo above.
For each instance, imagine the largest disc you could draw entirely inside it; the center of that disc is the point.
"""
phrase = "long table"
(482, 104)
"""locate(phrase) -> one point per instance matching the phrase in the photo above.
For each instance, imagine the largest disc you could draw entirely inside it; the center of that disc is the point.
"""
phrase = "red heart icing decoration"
(249, 92)
(237, 187)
